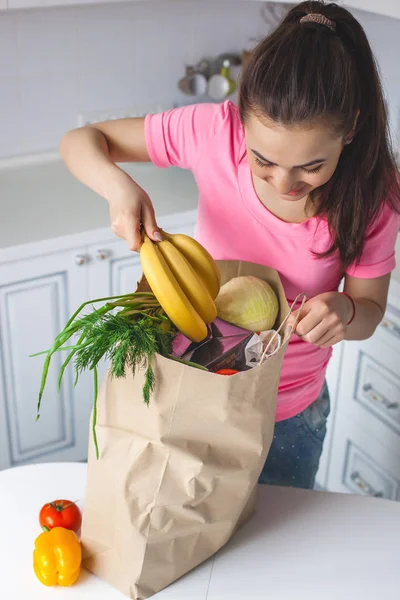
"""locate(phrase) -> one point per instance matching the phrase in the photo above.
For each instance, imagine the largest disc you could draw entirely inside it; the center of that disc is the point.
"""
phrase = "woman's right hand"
(128, 211)
(91, 154)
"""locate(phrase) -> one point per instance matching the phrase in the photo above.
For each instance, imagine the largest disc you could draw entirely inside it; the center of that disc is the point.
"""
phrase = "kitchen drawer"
(378, 389)
(361, 475)
(369, 388)
(389, 328)
(361, 464)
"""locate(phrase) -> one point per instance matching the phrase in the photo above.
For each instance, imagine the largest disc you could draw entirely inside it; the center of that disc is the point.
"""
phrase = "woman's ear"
(349, 137)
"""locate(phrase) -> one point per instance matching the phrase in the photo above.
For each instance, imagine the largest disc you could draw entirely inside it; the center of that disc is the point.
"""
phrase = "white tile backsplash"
(45, 117)
(57, 63)
(10, 124)
(98, 93)
(8, 46)
(106, 38)
(47, 42)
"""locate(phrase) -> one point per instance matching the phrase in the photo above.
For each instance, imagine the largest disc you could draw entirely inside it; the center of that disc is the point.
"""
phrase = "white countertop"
(43, 200)
(300, 545)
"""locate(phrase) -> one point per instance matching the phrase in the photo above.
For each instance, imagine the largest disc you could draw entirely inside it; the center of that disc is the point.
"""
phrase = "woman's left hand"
(323, 319)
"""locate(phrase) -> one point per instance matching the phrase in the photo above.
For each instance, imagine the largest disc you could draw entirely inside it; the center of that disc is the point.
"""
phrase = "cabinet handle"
(81, 259)
(364, 486)
(102, 254)
(379, 398)
(391, 327)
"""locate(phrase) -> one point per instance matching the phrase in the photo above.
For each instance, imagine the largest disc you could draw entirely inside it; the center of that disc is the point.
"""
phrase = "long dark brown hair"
(307, 73)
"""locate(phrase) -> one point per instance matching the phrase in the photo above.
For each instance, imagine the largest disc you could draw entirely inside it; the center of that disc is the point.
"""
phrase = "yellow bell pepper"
(57, 557)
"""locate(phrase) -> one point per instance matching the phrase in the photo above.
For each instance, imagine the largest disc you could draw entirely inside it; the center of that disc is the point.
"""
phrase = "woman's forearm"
(367, 318)
(90, 153)
(86, 154)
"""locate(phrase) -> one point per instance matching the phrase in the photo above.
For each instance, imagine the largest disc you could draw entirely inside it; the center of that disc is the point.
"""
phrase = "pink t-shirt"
(233, 224)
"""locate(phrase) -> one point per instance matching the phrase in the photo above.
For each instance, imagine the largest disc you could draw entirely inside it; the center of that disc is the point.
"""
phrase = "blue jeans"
(297, 446)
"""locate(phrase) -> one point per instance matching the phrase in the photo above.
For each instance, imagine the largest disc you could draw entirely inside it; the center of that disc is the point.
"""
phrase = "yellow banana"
(169, 293)
(195, 290)
(202, 262)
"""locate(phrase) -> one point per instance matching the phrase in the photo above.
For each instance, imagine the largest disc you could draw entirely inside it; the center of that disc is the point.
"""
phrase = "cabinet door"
(37, 296)
(361, 463)
(390, 8)
(369, 388)
(115, 269)
(366, 429)
(48, 3)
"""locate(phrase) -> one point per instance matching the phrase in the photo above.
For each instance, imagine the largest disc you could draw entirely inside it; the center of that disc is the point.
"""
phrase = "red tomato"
(60, 513)
(227, 371)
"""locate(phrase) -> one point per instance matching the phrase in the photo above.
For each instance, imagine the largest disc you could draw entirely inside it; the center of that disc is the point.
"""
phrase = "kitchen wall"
(58, 63)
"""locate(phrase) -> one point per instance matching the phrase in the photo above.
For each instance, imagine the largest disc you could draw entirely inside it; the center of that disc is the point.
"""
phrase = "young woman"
(299, 177)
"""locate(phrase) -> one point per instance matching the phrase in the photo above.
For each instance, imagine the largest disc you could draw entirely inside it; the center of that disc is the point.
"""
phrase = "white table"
(301, 545)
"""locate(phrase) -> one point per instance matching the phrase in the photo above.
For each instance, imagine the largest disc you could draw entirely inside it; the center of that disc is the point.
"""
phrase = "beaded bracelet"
(354, 307)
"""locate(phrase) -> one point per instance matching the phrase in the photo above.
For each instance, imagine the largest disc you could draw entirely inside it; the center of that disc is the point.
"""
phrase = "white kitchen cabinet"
(362, 454)
(116, 270)
(370, 393)
(18, 4)
(37, 295)
(389, 8)
(41, 286)
(361, 463)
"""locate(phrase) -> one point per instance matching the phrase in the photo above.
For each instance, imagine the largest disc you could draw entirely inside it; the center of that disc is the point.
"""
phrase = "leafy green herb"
(128, 339)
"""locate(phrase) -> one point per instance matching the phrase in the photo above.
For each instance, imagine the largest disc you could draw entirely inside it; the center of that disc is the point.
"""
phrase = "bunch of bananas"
(185, 280)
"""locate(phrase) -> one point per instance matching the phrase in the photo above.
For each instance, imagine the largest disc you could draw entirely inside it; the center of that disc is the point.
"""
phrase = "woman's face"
(292, 160)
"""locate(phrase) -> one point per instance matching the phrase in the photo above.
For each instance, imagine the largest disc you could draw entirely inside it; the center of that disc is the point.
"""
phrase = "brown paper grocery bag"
(176, 478)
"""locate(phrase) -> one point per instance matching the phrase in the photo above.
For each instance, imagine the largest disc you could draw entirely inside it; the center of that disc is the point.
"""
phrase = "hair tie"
(354, 307)
(319, 19)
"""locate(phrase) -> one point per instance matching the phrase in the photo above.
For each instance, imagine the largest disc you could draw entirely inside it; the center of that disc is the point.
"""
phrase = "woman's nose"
(282, 182)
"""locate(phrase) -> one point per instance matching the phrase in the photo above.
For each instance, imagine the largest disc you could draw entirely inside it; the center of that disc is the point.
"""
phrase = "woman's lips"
(295, 192)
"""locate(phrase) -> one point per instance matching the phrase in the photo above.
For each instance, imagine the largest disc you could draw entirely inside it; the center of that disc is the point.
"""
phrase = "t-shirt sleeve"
(378, 257)
(177, 136)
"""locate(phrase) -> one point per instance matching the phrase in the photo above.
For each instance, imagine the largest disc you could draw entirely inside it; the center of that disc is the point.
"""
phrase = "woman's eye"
(312, 171)
(264, 164)
(261, 163)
